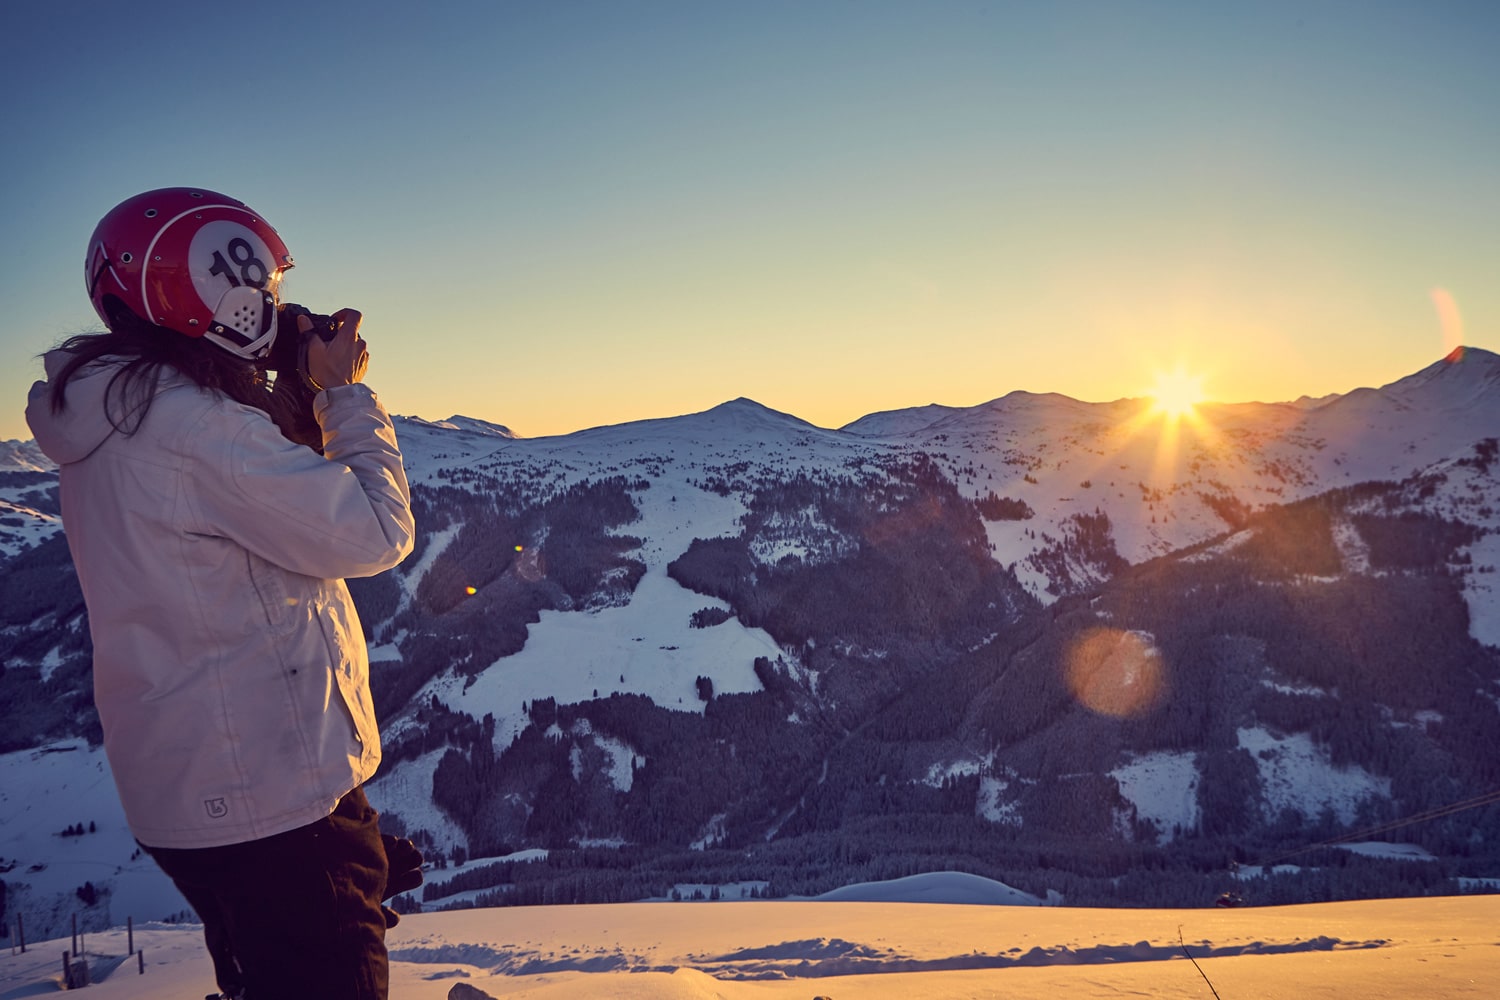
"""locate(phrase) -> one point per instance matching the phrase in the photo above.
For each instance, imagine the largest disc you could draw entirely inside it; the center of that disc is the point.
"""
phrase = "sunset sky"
(565, 214)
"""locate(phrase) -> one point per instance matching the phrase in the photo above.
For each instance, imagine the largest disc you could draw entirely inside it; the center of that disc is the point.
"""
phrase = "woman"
(230, 670)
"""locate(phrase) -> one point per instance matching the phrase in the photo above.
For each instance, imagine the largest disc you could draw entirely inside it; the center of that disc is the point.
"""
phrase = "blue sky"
(559, 215)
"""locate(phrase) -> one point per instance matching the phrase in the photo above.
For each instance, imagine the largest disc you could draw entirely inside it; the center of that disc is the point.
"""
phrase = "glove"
(403, 863)
(292, 410)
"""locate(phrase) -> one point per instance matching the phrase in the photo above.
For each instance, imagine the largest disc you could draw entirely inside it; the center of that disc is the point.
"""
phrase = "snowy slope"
(28, 516)
(24, 456)
(43, 793)
(1391, 432)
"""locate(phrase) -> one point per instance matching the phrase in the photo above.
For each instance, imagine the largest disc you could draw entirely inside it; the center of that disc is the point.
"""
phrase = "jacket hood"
(82, 425)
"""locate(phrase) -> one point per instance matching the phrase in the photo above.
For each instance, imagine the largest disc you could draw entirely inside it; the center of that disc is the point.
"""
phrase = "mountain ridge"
(18, 455)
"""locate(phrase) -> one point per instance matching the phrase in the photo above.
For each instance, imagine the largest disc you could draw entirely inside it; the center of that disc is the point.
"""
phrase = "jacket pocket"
(283, 610)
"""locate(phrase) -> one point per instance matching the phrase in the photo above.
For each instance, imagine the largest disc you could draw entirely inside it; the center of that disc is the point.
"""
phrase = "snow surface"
(22, 524)
(1297, 774)
(24, 456)
(1382, 849)
(642, 647)
(639, 648)
(992, 804)
(1163, 787)
(1438, 948)
(1482, 590)
(406, 790)
(47, 790)
(933, 887)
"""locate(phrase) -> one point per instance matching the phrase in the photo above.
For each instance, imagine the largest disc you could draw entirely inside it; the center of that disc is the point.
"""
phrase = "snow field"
(1437, 948)
(1297, 774)
(1163, 787)
(1482, 590)
(44, 792)
(576, 656)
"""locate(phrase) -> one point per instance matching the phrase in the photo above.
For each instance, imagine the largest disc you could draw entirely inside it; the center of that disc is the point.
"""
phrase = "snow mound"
(933, 887)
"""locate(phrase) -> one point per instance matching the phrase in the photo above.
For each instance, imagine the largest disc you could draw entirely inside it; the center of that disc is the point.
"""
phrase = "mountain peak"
(471, 424)
(1463, 375)
(892, 423)
(742, 409)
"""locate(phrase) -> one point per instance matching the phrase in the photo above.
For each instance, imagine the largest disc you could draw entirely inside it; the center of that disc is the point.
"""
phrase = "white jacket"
(230, 669)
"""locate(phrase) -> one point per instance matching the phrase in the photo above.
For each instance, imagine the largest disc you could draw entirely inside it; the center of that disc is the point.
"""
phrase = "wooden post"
(75, 933)
(140, 958)
(75, 971)
(129, 936)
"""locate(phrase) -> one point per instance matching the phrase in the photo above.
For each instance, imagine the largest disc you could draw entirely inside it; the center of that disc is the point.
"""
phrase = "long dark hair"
(142, 354)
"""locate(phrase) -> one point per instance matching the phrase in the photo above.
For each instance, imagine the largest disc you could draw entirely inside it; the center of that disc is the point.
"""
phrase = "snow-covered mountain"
(28, 507)
(938, 635)
(24, 456)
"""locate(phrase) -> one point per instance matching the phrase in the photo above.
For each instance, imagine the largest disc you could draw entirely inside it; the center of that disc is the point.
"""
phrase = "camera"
(293, 390)
(324, 326)
(289, 352)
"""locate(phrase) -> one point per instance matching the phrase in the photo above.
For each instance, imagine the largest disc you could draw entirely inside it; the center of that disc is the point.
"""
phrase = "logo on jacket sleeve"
(217, 808)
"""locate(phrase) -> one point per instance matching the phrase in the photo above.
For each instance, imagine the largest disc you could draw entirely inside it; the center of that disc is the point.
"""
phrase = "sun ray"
(1170, 420)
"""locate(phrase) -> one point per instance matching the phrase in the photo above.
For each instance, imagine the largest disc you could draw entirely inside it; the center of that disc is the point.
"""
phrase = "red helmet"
(193, 261)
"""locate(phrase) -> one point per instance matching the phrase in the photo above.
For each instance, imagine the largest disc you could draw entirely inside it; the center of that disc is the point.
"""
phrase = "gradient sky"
(557, 215)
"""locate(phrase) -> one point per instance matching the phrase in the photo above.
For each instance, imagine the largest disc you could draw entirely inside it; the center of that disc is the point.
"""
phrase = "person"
(230, 670)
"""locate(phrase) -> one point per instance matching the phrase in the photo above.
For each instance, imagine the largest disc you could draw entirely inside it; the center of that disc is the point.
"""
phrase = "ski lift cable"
(1435, 813)
(1487, 798)
(1430, 814)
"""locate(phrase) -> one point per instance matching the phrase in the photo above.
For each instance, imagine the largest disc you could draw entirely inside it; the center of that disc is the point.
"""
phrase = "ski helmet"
(193, 261)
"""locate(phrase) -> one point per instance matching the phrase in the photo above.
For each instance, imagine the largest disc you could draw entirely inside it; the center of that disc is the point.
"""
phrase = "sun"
(1177, 394)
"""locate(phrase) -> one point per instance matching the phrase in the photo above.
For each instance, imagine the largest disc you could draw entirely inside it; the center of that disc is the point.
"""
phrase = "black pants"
(295, 915)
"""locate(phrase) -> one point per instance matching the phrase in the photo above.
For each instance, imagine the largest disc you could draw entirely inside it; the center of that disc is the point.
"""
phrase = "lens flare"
(1114, 672)
(1451, 320)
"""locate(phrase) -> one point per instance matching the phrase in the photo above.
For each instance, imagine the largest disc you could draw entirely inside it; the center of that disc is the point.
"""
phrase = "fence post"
(140, 958)
(75, 933)
(129, 936)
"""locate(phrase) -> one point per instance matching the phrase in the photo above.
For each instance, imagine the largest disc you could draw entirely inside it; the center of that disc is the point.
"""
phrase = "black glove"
(404, 865)
(292, 410)
(403, 872)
